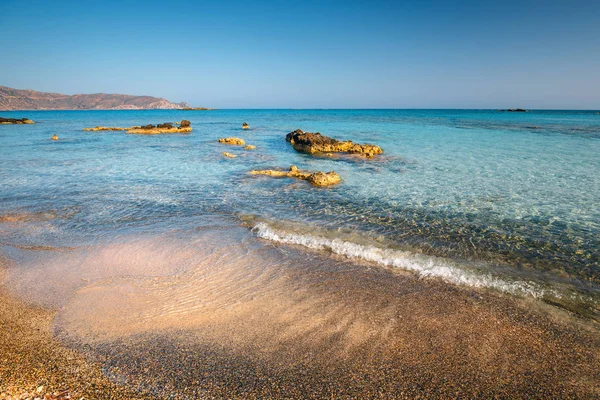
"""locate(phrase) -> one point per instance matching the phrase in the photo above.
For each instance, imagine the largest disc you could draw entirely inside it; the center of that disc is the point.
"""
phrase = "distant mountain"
(15, 99)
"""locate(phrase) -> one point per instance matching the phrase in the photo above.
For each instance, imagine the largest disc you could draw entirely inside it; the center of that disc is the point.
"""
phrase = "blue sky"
(309, 54)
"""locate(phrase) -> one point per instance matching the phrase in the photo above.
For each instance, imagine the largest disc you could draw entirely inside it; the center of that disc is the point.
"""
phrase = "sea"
(137, 228)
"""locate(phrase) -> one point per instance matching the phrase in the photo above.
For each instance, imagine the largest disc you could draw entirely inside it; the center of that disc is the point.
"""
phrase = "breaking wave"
(424, 265)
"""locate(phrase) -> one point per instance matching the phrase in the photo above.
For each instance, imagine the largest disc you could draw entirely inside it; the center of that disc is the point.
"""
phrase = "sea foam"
(424, 265)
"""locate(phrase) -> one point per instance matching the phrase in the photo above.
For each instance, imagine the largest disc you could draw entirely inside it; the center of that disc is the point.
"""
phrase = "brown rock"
(233, 141)
(108, 128)
(149, 129)
(245, 126)
(6, 121)
(316, 178)
(316, 143)
(324, 179)
(54, 137)
(249, 147)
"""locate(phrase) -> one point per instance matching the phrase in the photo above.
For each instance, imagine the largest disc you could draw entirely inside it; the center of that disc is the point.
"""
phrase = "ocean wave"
(425, 266)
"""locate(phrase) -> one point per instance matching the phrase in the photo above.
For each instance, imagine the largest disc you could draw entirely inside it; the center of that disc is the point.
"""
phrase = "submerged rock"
(316, 178)
(249, 147)
(228, 155)
(233, 141)
(316, 143)
(245, 126)
(54, 137)
(6, 121)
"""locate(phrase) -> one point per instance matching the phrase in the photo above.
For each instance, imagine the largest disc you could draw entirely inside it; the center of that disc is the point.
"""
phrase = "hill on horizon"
(16, 99)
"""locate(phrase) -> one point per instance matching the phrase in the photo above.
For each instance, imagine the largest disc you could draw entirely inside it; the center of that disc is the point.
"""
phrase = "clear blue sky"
(309, 54)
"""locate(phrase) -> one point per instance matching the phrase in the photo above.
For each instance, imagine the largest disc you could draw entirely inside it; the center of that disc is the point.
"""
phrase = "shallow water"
(160, 240)
(510, 198)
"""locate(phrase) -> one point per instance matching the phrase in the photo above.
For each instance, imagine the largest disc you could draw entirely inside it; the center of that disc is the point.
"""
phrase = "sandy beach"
(349, 333)
(34, 365)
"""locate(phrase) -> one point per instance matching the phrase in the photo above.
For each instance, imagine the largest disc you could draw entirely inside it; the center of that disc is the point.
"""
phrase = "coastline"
(33, 364)
(358, 333)
(142, 304)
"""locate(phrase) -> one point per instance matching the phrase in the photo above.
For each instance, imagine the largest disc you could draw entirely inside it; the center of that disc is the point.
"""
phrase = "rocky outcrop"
(245, 126)
(108, 128)
(6, 121)
(316, 178)
(167, 127)
(324, 178)
(161, 128)
(15, 99)
(233, 141)
(316, 143)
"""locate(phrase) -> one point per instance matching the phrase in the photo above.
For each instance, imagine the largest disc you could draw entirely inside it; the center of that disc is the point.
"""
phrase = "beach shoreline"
(33, 364)
(422, 337)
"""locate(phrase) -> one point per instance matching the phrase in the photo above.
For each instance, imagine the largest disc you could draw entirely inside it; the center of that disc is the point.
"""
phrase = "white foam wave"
(423, 265)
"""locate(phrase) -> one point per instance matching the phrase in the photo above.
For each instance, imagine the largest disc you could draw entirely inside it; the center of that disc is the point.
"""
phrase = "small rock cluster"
(184, 127)
(6, 121)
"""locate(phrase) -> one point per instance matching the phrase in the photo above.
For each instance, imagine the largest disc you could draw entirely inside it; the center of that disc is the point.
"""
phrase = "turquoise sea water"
(505, 201)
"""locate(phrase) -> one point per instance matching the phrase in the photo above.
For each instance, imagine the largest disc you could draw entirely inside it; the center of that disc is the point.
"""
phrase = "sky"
(310, 54)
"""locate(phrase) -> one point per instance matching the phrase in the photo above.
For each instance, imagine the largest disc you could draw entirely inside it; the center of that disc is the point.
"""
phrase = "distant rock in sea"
(7, 121)
(184, 127)
(15, 99)
(150, 129)
(515, 110)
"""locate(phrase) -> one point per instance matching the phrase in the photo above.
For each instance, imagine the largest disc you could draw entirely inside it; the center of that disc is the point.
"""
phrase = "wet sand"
(280, 322)
(334, 329)
(34, 364)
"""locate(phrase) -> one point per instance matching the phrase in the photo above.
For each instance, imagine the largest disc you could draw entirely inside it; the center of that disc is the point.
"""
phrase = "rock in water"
(228, 155)
(249, 147)
(323, 179)
(316, 178)
(167, 127)
(6, 121)
(54, 137)
(316, 143)
(233, 141)
(109, 128)
(245, 126)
